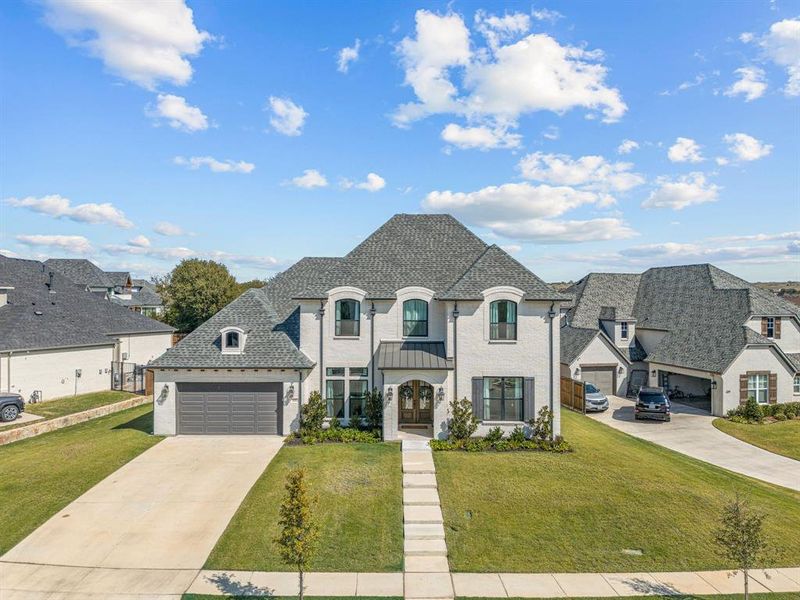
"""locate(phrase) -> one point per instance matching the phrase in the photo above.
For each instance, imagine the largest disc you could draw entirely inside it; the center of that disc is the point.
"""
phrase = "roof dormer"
(232, 340)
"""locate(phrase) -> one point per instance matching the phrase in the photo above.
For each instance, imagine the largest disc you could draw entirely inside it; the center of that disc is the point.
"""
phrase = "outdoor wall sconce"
(440, 394)
(653, 372)
(162, 397)
(713, 385)
(389, 394)
(577, 372)
(620, 370)
(290, 391)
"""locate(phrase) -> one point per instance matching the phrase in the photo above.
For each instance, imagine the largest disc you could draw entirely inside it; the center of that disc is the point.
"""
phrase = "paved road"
(690, 432)
(163, 510)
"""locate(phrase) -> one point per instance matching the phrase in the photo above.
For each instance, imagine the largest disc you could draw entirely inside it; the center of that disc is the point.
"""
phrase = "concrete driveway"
(163, 510)
(690, 432)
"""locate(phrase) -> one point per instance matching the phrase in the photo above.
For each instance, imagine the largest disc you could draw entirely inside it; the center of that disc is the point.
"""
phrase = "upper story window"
(623, 330)
(415, 318)
(770, 327)
(233, 340)
(347, 317)
(503, 320)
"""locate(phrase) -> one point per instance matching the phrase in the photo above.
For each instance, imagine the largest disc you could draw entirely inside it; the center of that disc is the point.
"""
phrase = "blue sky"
(579, 136)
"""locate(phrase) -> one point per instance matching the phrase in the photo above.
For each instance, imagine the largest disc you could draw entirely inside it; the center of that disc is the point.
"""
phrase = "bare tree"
(740, 537)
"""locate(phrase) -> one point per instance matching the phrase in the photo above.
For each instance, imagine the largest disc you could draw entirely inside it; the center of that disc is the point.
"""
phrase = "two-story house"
(423, 310)
(709, 337)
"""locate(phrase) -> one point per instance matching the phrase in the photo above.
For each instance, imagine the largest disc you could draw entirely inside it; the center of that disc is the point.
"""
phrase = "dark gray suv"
(10, 406)
(652, 403)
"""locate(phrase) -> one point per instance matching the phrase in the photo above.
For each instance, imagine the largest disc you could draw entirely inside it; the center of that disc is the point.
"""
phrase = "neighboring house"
(423, 310)
(117, 286)
(717, 338)
(58, 339)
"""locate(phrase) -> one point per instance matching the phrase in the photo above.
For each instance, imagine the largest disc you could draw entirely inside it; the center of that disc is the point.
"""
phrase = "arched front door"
(416, 403)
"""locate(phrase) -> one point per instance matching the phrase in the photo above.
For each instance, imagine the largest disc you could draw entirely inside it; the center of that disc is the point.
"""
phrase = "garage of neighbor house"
(603, 378)
(229, 408)
(687, 389)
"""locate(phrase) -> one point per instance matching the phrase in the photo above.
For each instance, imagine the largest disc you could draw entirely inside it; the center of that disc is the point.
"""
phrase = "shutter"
(528, 410)
(764, 326)
(742, 389)
(773, 388)
(777, 328)
(477, 397)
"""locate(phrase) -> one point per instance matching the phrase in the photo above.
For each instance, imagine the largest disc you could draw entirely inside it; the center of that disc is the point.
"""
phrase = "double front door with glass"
(416, 403)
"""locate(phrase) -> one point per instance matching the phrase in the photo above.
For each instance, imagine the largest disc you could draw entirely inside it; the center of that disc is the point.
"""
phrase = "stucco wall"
(790, 333)
(165, 392)
(53, 371)
(597, 353)
(756, 359)
(649, 338)
(142, 348)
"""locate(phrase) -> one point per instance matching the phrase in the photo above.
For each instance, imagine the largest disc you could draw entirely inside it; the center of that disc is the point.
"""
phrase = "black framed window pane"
(232, 339)
(347, 317)
(492, 409)
(358, 393)
(503, 320)
(415, 318)
(359, 371)
(335, 371)
(335, 397)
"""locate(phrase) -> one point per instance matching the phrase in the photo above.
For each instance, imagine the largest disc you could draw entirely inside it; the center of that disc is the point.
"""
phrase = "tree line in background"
(195, 290)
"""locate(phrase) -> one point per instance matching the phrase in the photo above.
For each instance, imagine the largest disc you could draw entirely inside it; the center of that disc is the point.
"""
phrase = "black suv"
(10, 406)
(652, 403)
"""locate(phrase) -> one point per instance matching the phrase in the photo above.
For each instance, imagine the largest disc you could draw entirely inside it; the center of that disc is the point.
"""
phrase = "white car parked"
(596, 400)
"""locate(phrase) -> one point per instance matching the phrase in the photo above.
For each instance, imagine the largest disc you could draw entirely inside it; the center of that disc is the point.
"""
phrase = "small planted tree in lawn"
(462, 422)
(299, 531)
(314, 413)
(542, 427)
(740, 537)
(373, 408)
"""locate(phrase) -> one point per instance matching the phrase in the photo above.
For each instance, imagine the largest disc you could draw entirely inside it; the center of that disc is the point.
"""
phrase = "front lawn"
(360, 511)
(780, 437)
(594, 509)
(41, 475)
(68, 405)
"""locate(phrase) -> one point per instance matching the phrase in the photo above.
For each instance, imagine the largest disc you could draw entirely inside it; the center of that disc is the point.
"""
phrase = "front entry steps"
(427, 572)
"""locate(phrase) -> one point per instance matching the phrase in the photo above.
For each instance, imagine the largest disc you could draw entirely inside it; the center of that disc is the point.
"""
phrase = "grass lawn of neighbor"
(359, 509)
(41, 475)
(597, 508)
(763, 596)
(780, 437)
(50, 409)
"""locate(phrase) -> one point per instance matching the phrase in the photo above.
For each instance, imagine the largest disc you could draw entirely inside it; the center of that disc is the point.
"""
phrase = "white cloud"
(746, 37)
(372, 183)
(758, 237)
(627, 146)
(751, 84)
(311, 178)
(145, 42)
(685, 150)
(166, 228)
(546, 231)
(512, 248)
(593, 172)
(140, 240)
(216, 166)
(782, 46)
(178, 113)
(269, 263)
(684, 191)
(59, 207)
(287, 117)
(501, 81)
(551, 133)
(73, 244)
(178, 253)
(746, 147)
(9, 253)
(348, 55)
(481, 137)
(544, 14)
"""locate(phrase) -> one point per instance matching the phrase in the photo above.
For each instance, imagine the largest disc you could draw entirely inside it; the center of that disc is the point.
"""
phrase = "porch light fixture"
(290, 391)
(713, 384)
(455, 313)
(620, 370)
(389, 394)
(577, 371)
(653, 372)
(440, 394)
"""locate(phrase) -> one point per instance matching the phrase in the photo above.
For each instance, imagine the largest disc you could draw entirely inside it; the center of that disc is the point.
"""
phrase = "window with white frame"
(232, 340)
(348, 314)
(623, 330)
(770, 327)
(796, 388)
(758, 387)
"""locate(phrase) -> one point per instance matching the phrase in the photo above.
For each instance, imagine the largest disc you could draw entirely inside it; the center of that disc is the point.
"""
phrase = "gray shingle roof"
(574, 340)
(80, 271)
(144, 297)
(413, 355)
(701, 307)
(35, 318)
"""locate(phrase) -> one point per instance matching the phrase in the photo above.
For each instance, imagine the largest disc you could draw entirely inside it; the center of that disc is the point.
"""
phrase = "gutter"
(321, 338)
(44, 348)
(455, 350)
(552, 315)
(372, 347)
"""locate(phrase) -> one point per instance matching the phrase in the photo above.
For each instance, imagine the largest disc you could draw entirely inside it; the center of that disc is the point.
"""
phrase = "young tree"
(313, 413)
(740, 537)
(462, 422)
(373, 409)
(195, 291)
(299, 532)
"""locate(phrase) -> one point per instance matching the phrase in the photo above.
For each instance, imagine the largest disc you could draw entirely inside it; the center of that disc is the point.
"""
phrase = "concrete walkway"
(690, 432)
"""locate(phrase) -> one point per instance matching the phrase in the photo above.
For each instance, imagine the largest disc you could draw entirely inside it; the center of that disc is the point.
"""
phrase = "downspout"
(372, 347)
(321, 338)
(299, 397)
(455, 351)
(552, 315)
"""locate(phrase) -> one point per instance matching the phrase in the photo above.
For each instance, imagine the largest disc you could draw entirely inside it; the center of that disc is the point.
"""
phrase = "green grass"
(247, 596)
(762, 596)
(360, 511)
(576, 512)
(780, 437)
(41, 475)
(68, 405)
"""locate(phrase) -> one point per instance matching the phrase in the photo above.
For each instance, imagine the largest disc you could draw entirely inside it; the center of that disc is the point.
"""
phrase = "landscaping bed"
(359, 510)
(780, 437)
(615, 504)
(43, 474)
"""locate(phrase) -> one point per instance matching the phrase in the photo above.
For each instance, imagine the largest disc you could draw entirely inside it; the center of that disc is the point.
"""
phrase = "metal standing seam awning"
(413, 355)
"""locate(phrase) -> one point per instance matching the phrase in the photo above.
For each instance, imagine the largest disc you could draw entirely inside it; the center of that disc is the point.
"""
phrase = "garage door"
(603, 378)
(229, 408)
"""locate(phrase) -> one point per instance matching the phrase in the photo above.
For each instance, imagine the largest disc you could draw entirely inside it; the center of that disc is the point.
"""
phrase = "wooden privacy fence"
(572, 395)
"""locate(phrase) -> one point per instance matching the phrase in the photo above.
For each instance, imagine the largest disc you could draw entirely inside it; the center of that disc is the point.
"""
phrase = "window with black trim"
(358, 396)
(502, 398)
(415, 318)
(334, 397)
(348, 314)
(359, 371)
(232, 339)
(503, 320)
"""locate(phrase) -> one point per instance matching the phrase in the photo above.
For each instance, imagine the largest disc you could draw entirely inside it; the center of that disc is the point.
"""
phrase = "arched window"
(503, 320)
(415, 318)
(232, 339)
(347, 317)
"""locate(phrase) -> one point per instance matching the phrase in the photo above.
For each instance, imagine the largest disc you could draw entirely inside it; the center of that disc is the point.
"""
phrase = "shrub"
(314, 413)
(734, 418)
(462, 422)
(507, 445)
(750, 411)
(792, 409)
(495, 435)
(334, 423)
(355, 422)
(780, 416)
(542, 426)
(517, 435)
(373, 409)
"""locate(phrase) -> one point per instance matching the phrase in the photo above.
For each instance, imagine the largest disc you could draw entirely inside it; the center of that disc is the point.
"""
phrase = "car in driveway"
(596, 400)
(11, 405)
(652, 403)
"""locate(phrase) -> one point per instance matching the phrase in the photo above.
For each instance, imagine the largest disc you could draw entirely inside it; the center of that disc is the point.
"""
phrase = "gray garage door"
(229, 408)
(603, 378)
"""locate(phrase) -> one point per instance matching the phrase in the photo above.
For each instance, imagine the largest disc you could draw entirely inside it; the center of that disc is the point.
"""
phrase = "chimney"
(4, 294)
(50, 281)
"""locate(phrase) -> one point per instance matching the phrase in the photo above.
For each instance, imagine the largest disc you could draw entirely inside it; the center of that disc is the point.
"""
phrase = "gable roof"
(39, 317)
(80, 271)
